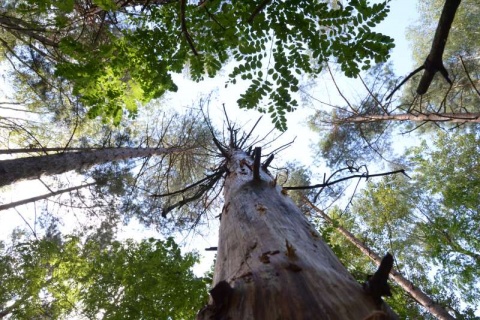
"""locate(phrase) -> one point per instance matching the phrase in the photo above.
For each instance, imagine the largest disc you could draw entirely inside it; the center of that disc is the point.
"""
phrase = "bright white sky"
(403, 13)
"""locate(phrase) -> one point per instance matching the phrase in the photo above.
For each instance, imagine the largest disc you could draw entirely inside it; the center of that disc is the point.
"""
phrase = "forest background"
(102, 87)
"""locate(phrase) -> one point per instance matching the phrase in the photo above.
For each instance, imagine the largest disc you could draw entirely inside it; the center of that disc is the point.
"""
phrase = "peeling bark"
(274, 261)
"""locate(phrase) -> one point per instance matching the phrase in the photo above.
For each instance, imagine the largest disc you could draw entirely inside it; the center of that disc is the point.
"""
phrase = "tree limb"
(366, 176)
(183, 5)
(257, 10)
(434, 62)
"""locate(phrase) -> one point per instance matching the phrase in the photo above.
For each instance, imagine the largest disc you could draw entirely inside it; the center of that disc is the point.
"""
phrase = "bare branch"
(366, 176)
(414, 72)
(469, 78)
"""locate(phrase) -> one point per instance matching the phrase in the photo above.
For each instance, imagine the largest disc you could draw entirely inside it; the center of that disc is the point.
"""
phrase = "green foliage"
(129, 280)
(340, 140)
(303, 35)
(429, 220)
(462, 44)
(295, 175)
(116, 65)
(360, 266)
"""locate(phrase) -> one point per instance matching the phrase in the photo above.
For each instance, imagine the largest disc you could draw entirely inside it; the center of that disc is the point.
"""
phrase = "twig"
(414, 72)
(221, 148)
(366, 176)
(211, 16)
(183, 5)
(243, 140)
(469, 78)
(340, 91)
(257, 10)
(215, 175)
(203, 188)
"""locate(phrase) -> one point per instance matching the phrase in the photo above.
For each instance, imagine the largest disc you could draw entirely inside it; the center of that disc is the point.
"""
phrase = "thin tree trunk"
(272, 264)
(43, 196)
(432, 117)
(423, 299)
(45, 150)
(33, 167)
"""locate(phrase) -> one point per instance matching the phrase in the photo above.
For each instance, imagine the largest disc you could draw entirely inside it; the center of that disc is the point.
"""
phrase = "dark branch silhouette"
(434, 61)
(377, 285)
(183, 4)
(257, 10)
(257, 154)
(364, 175)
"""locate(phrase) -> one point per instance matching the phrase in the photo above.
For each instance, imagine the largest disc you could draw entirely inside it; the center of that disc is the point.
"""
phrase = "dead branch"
(364, 175)
(469, 78)
(414, 72)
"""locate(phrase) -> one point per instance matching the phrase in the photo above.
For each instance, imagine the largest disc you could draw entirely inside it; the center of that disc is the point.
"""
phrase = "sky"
(403, 13)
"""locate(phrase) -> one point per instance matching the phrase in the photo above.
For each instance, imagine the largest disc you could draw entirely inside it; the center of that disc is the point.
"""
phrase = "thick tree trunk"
(432, 117)
(423, 299)
(272, 264)
(33, 167)
(43, 196)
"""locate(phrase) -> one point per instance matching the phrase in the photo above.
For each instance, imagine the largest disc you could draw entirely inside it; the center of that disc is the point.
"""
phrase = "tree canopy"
(62, 278)
(92, 77)
(114, 54)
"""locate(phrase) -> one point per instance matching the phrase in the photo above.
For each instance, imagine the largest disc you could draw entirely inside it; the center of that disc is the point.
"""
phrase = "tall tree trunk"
(33, 167)
(272, 264)
(43, 196)
(432, 117)
(417, 294)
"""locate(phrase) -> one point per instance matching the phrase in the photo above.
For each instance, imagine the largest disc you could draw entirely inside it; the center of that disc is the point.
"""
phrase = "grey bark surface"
(275, 261)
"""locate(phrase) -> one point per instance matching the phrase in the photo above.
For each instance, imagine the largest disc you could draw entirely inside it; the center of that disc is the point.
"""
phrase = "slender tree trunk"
(433, 117)
(45, 150)
(43, 196)
(423, 299)
(272, 264)
(33, 167)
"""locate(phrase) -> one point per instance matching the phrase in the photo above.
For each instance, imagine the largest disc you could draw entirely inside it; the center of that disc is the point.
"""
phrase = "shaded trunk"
(33, 167)
(417, 294)
(434, 61)
(432, 117)
(272, 264)
(43, 196)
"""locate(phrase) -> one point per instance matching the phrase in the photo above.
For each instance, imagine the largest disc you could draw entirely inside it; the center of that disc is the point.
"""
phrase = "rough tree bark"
(415, 292)
(33, 167)
(272, 264)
